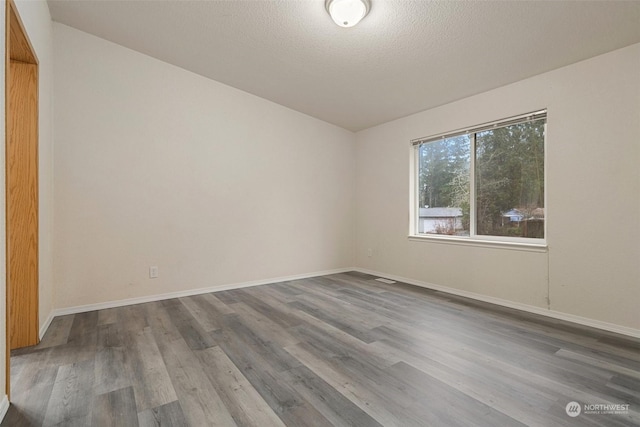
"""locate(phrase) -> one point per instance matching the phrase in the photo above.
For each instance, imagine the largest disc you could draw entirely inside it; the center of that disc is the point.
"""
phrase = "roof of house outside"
(537, 213)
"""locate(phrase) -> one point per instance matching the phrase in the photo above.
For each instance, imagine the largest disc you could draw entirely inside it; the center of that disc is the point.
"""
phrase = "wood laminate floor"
(342, 350)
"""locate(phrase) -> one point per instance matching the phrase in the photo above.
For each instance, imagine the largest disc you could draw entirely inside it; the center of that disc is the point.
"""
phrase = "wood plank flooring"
(339, 350)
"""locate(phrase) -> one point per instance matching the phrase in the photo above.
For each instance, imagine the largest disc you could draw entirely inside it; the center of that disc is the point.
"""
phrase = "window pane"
(443, 186)
(509, 181)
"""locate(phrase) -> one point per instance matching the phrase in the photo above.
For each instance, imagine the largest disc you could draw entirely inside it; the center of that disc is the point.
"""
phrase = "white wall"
(158, 166)
(37, 22)
(155, 165)
(592, 267)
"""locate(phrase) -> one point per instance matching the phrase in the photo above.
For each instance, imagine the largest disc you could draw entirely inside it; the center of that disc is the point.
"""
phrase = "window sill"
(465, 241)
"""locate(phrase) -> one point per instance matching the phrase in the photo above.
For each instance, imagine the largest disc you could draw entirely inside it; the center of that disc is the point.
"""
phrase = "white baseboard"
(190, 292)
(611, 327)
(4, 407)
(585, 321)
(45, 325)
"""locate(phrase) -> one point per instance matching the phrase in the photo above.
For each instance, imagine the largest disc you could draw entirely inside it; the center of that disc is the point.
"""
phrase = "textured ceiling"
(404, 57)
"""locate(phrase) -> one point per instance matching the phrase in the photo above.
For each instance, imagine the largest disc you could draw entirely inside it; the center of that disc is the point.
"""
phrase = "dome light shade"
(347, 13)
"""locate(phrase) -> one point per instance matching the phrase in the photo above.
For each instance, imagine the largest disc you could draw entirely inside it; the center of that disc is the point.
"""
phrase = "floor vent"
(387, 281)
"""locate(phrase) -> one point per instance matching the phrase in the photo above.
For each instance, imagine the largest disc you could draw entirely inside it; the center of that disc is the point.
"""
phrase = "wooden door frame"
(18, 48)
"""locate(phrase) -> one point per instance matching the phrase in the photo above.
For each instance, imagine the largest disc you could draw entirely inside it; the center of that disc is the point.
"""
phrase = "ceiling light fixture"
(347, 13)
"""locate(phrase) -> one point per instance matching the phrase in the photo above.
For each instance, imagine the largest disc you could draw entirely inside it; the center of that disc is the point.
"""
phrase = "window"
(485, 183)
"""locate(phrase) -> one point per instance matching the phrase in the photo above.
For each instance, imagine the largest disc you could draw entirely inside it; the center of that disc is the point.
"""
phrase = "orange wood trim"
(7, 47)
(20, 48)
(22, 204)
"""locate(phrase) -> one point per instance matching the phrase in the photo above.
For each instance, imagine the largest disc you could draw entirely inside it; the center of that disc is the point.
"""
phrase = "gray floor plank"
(368, 401)
(115, 409)
(243, 401)
(28, 407)
(341, 350)
(58, 332)
(83, 330)
(196, 337)
(112, 370)
(72, 395)
(292, 408)
(203, 312)
(198, 398)
(263, 326)
(110, 315)
(334, 406)
(151, 381)
(169, 415)
(266, 305)
(161, 323)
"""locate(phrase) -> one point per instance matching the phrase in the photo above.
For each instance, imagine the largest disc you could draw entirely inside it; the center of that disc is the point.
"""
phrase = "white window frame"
(504, 242)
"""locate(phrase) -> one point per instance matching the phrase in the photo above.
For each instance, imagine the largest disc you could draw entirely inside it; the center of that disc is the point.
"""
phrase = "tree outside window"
(489, 181)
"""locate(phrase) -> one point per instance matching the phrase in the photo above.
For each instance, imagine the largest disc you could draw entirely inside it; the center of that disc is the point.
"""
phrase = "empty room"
(320, 213)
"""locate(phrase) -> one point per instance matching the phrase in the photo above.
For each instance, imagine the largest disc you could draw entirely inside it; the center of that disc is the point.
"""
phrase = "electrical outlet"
(369, 252)
(153, 272)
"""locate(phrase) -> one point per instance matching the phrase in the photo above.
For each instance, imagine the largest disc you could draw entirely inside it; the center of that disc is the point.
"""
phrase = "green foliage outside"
(444, 172)
(509, 174)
